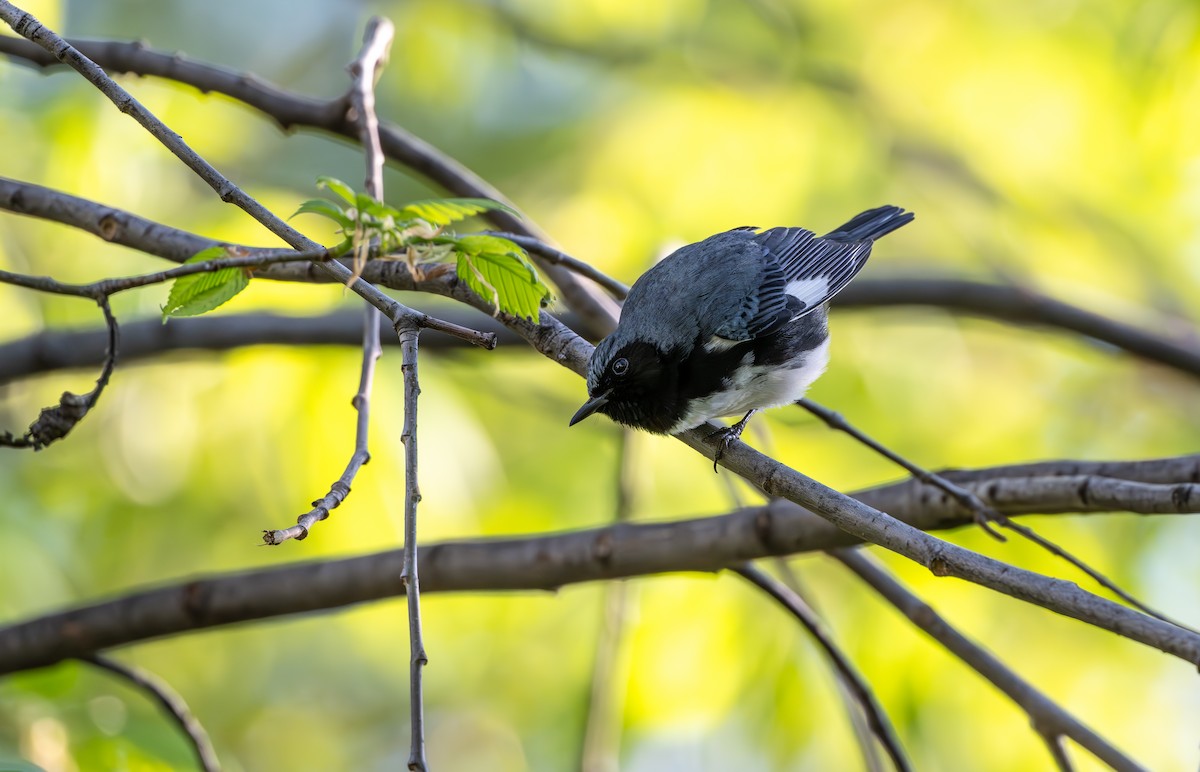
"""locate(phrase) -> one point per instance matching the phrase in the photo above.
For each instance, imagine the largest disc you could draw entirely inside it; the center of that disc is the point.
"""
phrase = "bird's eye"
(620, 366)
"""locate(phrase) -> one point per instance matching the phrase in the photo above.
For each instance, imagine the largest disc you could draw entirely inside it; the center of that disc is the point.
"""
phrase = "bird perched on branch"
(730, 325)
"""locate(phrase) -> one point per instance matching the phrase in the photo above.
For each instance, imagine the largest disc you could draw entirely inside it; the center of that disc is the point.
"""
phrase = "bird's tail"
(872, 224)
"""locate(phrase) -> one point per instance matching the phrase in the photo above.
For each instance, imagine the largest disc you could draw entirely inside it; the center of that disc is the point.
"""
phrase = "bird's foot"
(727, 436)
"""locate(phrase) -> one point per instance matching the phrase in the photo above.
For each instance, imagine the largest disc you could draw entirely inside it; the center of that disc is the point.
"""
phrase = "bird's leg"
(728, 436)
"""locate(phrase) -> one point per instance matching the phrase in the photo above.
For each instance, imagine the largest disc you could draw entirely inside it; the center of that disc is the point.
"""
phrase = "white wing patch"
(809, 291)
(718, 344)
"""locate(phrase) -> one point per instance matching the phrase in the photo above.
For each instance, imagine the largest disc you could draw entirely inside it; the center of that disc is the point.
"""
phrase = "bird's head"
(632, 382)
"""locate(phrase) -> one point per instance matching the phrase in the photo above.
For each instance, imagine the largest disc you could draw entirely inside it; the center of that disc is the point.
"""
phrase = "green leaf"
(339, 188)
(327, 209)
(199, 293)
(443, 211)
(476, 243)
(504, 278)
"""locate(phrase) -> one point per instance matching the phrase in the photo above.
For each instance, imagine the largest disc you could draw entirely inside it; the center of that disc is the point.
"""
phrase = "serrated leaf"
(443, 211)
(505, 279)
(339, 188)
(327, 209)
(200, 293)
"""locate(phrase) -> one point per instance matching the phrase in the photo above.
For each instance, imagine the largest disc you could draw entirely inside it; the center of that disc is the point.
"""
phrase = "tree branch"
(1022, 306)
(984, 514)
(597, 313)
(1048, 719)
(876, 716)
(548, 562)
(109, 287)
(376, 43)
(27, 26)
(170, 702)
(56, 421)
(50, 350)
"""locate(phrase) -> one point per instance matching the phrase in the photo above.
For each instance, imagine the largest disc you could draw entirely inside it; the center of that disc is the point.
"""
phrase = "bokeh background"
(1051, 143)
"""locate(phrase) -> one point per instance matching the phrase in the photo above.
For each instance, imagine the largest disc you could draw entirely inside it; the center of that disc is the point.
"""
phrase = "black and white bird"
(728, 326)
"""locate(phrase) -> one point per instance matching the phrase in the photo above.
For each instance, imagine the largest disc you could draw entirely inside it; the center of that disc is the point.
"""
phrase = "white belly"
(758, 387)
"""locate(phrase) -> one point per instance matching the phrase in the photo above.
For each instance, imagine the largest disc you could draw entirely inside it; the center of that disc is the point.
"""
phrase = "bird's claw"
(726, 436)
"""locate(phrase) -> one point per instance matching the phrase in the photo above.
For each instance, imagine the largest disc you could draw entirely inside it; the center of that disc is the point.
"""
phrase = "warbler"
(729, 325)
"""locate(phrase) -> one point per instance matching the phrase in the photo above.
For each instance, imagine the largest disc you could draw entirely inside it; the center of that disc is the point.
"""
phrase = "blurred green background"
(1055, 144)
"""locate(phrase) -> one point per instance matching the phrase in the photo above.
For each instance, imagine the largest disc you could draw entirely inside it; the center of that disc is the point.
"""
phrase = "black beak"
(589, 407)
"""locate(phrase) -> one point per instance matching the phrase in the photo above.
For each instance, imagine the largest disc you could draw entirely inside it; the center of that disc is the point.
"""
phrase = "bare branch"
(546, 563)
(855, 517)
(1022, 306)
(943, 558)
(170, 702)
(982, 511)
(377, 40)
(340, 489)
(854, 711)
(410, 573)
(26, 25)
(109, 287)
(597, 312)
(1048, 719)
(876, 716)
(50, 350)
(56, 421)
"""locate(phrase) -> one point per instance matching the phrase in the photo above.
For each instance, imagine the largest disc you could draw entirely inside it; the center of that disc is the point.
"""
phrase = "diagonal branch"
(1049, 720)
(984, 514)
(26, 25)
(377, 41)
(545, 562)
(877, 718)
(597, 312)
(170, 702)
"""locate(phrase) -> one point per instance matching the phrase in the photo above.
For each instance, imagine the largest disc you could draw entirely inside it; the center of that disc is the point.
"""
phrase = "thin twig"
(109, 287)
(876, 716)
(617, 289)
(984, 515)
(1048, 719)
(376, 42)
(412, 589)
(27, 26)
(56, 421)
(601, 750)
(321, 508)
(171, 703)
(50, 350)
(983, 512)
(598, 313)
(858, 719)
(365, 70)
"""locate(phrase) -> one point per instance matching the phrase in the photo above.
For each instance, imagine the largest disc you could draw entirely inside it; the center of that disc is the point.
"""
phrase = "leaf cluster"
(495, 268)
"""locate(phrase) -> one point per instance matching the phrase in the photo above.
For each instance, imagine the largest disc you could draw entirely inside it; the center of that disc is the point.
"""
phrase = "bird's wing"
(814, 269)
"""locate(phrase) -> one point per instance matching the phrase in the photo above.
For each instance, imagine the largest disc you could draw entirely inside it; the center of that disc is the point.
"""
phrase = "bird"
(733, 324)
